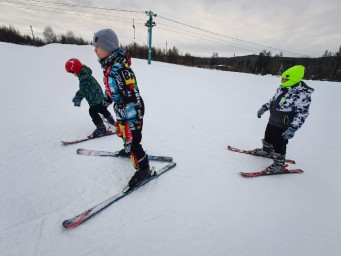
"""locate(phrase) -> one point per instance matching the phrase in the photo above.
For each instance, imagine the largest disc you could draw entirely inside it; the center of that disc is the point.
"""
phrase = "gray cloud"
(304, 27)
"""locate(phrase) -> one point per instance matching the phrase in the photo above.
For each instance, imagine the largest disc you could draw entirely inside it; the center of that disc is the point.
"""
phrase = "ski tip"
(294, 171)
(232, 148)
(244, 174)
(66, 224)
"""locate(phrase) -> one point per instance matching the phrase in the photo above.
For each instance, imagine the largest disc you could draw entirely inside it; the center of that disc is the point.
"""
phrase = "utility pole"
(166, 53)
(32, 32)
(134, 28)
(150, 24)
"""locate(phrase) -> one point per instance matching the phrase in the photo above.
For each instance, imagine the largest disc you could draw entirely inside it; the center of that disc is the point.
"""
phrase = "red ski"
(88, 138)
(265, 173)
(249, 152)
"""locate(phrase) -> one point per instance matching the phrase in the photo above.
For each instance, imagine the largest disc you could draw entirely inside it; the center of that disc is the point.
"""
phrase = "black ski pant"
(273, 135)
(137, 154)
(94, 112)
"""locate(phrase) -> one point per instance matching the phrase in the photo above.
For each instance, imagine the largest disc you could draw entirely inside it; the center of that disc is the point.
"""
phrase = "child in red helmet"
(90, 89)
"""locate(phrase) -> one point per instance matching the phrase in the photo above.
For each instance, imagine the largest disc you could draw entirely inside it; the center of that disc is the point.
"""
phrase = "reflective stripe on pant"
(138, 156)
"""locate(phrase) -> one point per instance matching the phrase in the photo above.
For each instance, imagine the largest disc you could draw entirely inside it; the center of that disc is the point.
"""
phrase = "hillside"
(201, 207)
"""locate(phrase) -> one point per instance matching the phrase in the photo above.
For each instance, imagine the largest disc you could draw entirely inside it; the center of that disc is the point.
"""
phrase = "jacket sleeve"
(79, 95)
(84, 89)
(301, 110)
(267, 105)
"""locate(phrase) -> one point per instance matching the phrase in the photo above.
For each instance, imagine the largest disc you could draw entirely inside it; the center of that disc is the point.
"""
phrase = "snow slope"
(201, 207)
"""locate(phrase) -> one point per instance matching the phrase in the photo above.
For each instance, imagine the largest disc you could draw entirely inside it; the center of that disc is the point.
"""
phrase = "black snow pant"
(273, 135)
(94, 112)
(137, 154)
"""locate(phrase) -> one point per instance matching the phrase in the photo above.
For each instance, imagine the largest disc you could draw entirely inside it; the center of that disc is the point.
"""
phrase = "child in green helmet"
(289, 108)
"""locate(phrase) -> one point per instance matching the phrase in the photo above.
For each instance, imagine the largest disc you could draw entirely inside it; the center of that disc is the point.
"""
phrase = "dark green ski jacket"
(89, 88)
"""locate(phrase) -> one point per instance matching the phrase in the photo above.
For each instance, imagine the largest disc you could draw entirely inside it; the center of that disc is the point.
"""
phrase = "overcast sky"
(198, 27)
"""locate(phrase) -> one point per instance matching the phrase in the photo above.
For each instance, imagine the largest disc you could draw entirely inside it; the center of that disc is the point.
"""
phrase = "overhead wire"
(83, 6)
(233, 38)
(249, 49)
(57, 7)
(53, 9)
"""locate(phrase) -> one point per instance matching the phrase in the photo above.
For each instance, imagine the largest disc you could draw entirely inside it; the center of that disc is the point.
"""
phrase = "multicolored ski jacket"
(290, 106)
(89, 88)
(121, 88)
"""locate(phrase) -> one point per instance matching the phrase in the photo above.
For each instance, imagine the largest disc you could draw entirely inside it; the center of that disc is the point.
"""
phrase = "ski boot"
(138, 177)
(101, 130)
(123, 153)
(278, 164)
(266, 150)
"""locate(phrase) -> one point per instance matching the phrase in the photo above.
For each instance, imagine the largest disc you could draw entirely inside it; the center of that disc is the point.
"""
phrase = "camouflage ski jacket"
(290, 106)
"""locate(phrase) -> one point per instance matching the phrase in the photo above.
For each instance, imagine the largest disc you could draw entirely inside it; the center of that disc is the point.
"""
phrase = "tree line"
(327, 67)
(12, 35)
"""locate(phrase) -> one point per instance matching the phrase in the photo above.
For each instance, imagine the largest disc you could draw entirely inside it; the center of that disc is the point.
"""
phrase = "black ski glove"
(76, 101)
(261, 111)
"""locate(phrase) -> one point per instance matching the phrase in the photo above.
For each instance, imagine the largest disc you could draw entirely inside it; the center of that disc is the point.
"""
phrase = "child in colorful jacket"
(289, 108)
(90, 89)
(121, 88)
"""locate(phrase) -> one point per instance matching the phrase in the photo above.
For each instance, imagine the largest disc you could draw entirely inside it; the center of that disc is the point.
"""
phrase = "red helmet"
(73, 66)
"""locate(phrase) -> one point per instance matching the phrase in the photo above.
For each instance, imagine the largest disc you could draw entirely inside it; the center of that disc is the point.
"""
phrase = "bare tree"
(49, 35)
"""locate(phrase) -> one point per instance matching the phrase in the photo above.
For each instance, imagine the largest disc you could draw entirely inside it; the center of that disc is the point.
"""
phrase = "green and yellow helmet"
(292, 76)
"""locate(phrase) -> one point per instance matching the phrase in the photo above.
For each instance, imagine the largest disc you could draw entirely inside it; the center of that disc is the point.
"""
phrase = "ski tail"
(65, 143)
(86, 215)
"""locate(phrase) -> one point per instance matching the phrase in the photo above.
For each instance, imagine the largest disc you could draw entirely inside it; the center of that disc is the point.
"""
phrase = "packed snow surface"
(201, 207)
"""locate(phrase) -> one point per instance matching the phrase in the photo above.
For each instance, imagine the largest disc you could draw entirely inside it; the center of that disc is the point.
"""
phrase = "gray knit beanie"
(106, 39)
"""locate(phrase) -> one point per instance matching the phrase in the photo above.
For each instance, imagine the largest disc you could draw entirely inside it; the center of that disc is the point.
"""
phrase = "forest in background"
(327, 67)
